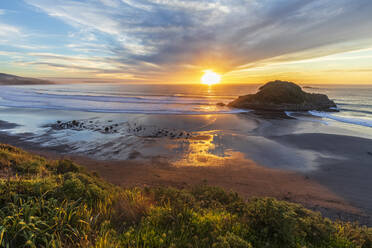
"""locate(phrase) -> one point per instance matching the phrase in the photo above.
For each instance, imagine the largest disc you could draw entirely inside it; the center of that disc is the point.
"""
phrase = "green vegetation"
(58, 204)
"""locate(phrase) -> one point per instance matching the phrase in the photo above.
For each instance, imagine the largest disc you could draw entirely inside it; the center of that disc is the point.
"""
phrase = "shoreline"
(65, 198)
(238, 174)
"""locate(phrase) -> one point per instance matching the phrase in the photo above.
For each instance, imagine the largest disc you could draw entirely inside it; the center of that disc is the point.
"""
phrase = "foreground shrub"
(285, 224)
(37, 222)
(64, 166)
(130, 207)
(20, 162)
(58, 204)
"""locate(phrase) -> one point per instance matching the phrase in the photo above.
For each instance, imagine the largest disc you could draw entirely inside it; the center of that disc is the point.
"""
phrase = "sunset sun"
(210, 78)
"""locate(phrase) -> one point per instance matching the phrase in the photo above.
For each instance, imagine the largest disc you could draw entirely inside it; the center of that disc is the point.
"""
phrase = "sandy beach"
(347, 167)
(325, 172)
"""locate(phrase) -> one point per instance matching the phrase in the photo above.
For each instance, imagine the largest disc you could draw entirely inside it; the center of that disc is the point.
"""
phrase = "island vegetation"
(56, 203)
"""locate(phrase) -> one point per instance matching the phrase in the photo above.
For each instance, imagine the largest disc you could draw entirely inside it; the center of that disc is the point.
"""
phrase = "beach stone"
(283, 96)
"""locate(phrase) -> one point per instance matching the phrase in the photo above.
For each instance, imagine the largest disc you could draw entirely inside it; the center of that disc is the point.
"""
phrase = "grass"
(47, 203)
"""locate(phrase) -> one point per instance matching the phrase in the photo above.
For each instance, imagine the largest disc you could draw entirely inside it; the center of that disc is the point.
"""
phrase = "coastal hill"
(8, 79)
(283, 96)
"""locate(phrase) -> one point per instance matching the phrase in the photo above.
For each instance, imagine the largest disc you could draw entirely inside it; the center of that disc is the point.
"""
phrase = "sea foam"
(349, 120)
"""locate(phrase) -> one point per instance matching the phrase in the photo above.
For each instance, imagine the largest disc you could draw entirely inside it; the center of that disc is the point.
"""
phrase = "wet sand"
(345, 168)
(336, 182)
(245, 177)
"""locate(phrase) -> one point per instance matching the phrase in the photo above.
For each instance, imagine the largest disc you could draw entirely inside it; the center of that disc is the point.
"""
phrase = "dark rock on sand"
(110, 127)
(80, 125)
(283, 96)
(221, 104)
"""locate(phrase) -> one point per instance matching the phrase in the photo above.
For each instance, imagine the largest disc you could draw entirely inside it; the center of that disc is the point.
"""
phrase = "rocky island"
(283, 96)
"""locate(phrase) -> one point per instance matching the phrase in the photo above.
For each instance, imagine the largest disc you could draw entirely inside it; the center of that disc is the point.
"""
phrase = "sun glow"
(210, 78)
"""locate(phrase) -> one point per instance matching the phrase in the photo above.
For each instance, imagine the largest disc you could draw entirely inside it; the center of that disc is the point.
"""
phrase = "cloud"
(367, 70)
(77, 62)
(9, 31)
(194, 34)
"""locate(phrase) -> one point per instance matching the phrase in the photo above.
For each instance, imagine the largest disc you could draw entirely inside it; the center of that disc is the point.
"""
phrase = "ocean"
(182, 123)
(354, 102)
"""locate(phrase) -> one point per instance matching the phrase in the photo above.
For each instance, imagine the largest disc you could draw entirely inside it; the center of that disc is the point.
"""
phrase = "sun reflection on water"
(202, 150)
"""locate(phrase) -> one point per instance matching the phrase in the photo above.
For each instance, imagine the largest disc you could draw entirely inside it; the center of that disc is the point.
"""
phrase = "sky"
(170, 41)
